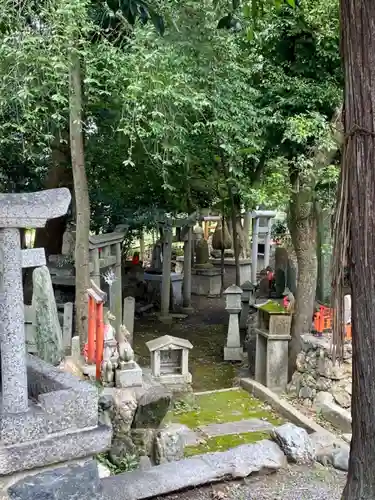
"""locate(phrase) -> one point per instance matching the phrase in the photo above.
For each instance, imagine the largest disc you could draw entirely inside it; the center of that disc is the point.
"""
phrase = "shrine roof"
(166, 340)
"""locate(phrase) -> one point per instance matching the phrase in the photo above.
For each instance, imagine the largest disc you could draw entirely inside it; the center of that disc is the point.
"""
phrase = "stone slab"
(21, 427)
(54, 449)
(67, 326)
(32, 210)
(337, 416)
(33, 257)
(69, 409)
(64, 483)
(264, 456)
(250, 425)
(129, 377)
(189, 437)
(233, 354)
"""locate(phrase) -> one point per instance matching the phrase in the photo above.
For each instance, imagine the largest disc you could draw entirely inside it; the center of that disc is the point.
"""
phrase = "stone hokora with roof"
(170, 359)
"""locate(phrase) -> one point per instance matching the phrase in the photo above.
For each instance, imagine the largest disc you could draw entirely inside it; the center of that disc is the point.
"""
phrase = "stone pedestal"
(206, 282)
(130, 375)
(229, 264)
(175, 296)
(271, 360)
(233, 350)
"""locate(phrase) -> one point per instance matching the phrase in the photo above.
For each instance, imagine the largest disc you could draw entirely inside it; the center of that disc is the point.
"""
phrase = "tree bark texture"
(358, 50)
(302, 227)
(59, 175)
(82, 201)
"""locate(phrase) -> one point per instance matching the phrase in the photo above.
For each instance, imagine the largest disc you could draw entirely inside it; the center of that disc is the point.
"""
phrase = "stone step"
(262, 457)
(239, 427)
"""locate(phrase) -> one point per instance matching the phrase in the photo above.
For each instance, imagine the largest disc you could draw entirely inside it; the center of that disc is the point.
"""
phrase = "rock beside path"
(295, 443)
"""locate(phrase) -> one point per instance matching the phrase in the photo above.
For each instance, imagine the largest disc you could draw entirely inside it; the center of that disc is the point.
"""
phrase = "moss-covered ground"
(218, 408)
(207, 331)
(223, 443)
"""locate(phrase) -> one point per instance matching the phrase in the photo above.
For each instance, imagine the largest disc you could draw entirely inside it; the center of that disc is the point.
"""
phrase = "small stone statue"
(125, 349)
(156, 257)
(110, 353)
(202, 254)
(217, 239)
(69, 240)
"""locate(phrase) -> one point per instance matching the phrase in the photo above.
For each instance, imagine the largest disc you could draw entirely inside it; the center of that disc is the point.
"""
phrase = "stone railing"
(316, 373)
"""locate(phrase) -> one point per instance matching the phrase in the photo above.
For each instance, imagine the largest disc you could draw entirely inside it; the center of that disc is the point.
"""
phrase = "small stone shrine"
(272, 338)
(233, 350)
(170, 360)
(47, 416)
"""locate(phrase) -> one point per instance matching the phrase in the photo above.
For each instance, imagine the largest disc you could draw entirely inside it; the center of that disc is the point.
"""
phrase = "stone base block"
(271, 360)
(54, 449)
(230, 264)
(175, 379)
(18, 427)
(63, 483)
(129, 376)
(233, 354)
(206, 282)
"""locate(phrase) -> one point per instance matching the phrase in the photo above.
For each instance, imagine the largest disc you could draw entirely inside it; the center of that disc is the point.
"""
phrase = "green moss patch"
(223, 443)
(273, 308)
(221, 407)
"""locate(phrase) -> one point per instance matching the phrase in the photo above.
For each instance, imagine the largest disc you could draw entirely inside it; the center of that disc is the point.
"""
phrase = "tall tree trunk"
(302, 227)
(81, 198)
(358, 208)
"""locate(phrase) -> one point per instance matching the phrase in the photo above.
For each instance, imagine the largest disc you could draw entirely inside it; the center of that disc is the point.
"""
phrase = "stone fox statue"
(125, 349)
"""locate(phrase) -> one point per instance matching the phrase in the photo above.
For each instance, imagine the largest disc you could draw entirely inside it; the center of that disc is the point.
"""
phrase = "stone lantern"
(233, 350)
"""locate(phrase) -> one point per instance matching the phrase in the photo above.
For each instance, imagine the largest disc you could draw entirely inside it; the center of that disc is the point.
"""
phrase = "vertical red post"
(91, 331)
(99, 338)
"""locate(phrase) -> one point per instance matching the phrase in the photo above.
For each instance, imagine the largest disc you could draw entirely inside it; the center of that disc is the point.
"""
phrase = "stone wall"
(316, 373)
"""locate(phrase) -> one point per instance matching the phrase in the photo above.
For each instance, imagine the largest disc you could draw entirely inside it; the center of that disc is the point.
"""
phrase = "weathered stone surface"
(169, 444)
(144, 463)
(340, 458)
(250, 425)
(337, 416)
(152, 408)
(264, 456)
(48, 334)
(124, 407)
(33, 209)
(76, 482)
(121, 446)
(295, 443)
(53, 450)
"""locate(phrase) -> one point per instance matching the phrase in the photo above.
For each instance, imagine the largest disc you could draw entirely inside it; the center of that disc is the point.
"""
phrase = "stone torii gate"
(30, 210)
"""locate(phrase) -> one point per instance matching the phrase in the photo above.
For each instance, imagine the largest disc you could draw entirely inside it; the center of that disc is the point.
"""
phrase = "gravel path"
(296, 483)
